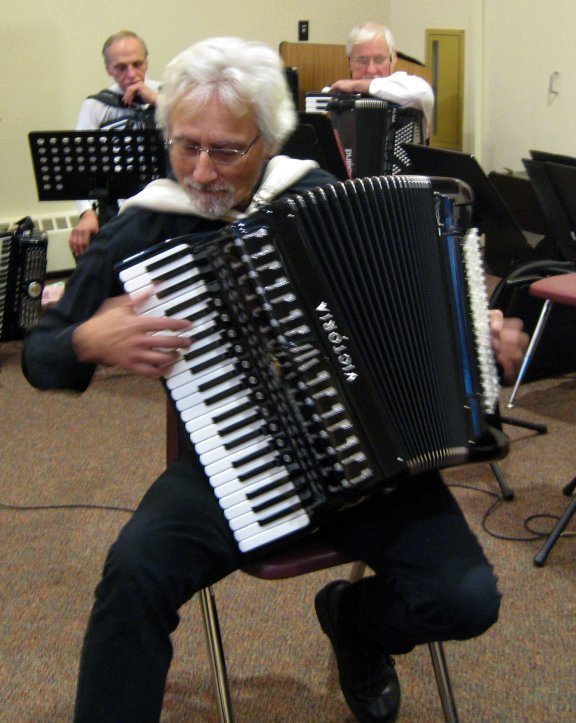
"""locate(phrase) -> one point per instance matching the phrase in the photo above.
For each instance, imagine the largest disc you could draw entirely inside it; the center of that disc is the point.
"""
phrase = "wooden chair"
(311, 555)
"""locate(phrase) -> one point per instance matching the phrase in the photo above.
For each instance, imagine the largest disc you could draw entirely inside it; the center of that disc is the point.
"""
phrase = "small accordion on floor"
(340, 346)
(23, 259)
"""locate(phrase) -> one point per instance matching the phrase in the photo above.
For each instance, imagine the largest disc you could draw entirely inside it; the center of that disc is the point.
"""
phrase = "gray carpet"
(62, 451)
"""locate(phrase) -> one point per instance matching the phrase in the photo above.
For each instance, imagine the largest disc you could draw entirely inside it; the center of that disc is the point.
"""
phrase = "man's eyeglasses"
(377, 60)
(222, 156)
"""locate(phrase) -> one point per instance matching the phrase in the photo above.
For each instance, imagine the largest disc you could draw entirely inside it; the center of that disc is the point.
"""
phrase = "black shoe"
(368, 680)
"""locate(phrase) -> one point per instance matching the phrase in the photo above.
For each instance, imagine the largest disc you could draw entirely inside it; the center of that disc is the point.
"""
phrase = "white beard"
(210, 201)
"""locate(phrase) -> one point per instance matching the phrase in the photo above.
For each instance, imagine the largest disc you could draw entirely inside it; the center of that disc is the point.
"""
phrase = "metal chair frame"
(220, 674)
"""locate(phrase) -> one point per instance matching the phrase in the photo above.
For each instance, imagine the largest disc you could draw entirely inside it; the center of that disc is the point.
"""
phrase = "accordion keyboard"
(216, 393)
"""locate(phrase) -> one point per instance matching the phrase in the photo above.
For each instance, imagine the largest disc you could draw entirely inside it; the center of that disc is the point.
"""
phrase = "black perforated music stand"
(96, 165)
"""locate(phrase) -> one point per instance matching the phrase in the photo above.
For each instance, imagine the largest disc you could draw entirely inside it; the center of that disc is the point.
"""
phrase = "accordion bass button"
(34, 290)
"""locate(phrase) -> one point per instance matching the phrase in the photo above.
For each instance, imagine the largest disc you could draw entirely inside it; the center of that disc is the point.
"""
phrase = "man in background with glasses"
(372, 54)
(225, 110)
(129, 103)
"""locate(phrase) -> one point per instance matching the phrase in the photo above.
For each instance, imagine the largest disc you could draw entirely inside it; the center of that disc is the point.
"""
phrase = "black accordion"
(23, 259)
(370, 131)
(341, 345)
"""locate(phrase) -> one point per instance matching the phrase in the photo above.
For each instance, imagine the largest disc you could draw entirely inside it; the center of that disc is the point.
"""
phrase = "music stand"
(554, 185)
(96, 165)
(314, 139)
(506, 244)
(548, 157)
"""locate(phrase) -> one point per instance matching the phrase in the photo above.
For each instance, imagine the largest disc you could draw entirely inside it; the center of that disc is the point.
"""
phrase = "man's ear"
(393, 59)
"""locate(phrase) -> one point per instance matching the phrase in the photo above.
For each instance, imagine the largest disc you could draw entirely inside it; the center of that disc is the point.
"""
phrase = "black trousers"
(432, 582)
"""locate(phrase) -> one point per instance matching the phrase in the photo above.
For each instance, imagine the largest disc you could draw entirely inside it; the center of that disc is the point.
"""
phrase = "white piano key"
(152, 278)
(217, 441)
(153, 302)
(250, 471)
(162, 308)
(244, 505)
(142, 267)
(191, 387)
(231, 486)
(186, 366)
(202, 414)
(214, 449)
(223, 467)
(250, 518)
(250, 539)
(239, 493)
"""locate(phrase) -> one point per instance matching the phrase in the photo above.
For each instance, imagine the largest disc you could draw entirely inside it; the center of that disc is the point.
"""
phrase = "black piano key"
(219, 418)
(218, 359)
(182, 285)
(155, 265)
(268, 487)
(238, 426)
(246, 476)
(279, 515)
(221, 396)
(289, 494)
(177, 307)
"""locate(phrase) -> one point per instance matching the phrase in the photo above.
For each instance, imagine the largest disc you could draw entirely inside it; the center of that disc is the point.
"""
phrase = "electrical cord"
(79, 506)
(535, 534)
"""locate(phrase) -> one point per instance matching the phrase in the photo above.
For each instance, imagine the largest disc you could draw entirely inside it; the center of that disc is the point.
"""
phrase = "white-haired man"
(372, 54)
(225, 110)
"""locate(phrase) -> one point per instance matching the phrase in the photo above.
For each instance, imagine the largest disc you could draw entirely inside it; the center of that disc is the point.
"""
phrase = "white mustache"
(208, 187)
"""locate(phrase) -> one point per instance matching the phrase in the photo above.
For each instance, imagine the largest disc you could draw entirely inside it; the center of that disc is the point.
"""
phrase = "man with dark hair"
(225, 110)
(129, 102)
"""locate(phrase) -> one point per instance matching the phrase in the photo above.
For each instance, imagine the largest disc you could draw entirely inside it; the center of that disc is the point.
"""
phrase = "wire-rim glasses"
(221, 156)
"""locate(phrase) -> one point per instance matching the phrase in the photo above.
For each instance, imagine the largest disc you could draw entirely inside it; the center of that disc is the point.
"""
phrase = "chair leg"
(216, 651)
(542, 319)
(443, 682)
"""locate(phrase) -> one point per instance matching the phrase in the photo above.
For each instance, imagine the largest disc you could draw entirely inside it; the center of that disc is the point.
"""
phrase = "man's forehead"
(213, 117)
(378, 46)
(124, 48)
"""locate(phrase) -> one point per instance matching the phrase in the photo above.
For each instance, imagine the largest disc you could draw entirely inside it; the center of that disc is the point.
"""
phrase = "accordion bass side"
(341, 345)
(370, 131)
(23, 258)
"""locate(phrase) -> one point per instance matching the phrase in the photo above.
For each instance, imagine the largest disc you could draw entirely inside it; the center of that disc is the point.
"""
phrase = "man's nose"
(204, 169)
(372, 68)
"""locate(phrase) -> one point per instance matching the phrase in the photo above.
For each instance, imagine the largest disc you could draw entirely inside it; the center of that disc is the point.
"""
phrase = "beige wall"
(50, 59)
(512, 48)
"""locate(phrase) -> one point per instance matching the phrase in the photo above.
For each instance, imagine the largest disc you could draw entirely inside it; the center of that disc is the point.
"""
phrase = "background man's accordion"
(341, 345)
(23, 257)
(370, 131)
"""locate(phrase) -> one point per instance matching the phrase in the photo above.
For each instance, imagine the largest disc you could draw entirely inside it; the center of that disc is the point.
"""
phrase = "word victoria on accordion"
(340, 345)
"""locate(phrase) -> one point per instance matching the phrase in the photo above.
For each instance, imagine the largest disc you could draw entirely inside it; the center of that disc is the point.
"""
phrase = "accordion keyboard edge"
(334, 351)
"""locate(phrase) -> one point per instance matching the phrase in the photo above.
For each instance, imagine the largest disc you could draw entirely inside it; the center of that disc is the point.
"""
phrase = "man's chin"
(208, 206)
